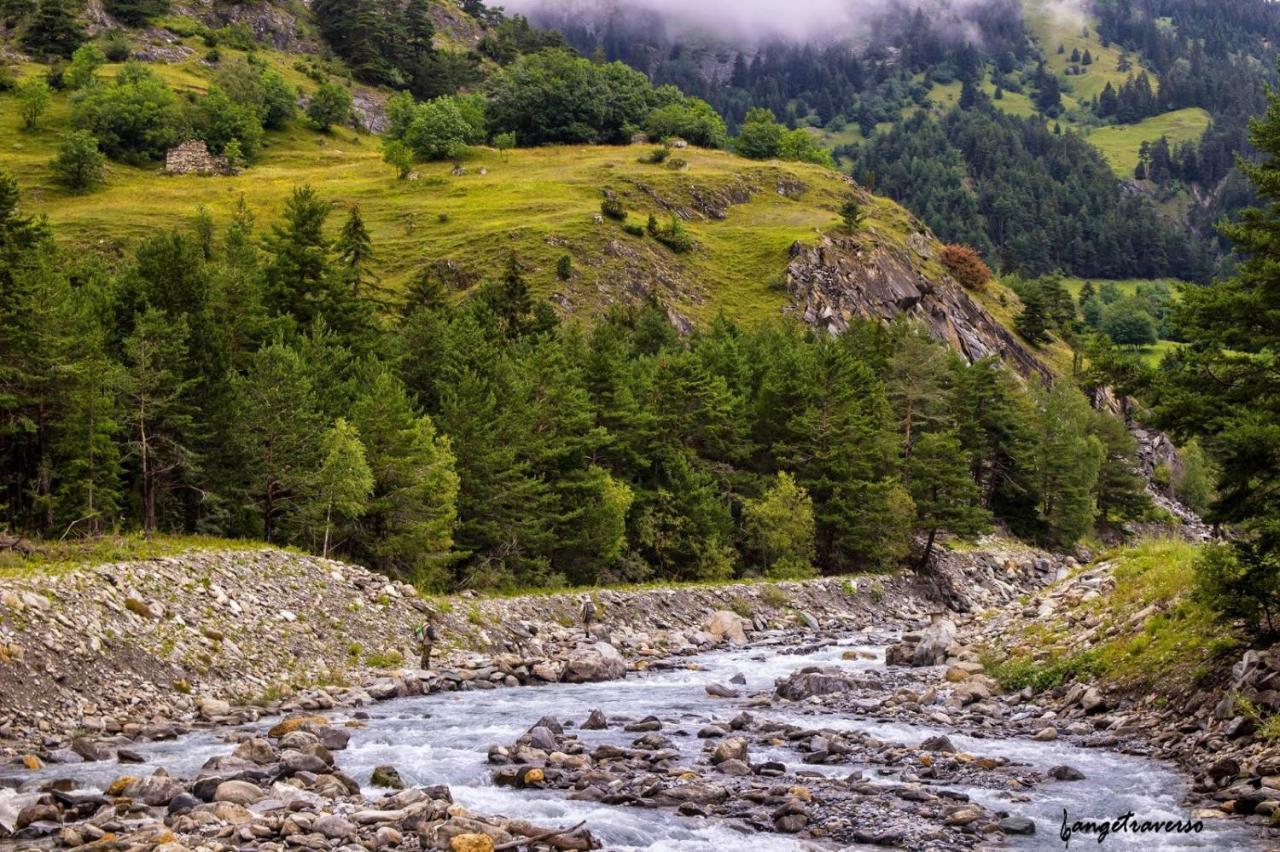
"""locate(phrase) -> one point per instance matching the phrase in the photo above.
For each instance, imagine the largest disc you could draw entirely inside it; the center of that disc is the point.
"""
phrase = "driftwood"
(558, 838)
(16, 543)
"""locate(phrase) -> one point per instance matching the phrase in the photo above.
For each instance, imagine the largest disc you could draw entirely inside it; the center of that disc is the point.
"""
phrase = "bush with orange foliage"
(966, 266)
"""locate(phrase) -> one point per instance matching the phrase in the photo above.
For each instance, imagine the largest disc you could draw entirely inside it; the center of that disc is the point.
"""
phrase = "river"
(444, 738)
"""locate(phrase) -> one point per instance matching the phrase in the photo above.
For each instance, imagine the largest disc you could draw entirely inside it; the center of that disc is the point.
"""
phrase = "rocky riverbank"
(98, 662)
(145, 650)
(1204, 710)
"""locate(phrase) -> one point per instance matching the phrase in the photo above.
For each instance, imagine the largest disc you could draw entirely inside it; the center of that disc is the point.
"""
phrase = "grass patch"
(1157, 637)
(1119, 143)
(384, 659)
(58, 557)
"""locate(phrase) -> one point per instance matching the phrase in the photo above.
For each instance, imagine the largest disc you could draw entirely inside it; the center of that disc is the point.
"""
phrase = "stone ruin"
(193, 158)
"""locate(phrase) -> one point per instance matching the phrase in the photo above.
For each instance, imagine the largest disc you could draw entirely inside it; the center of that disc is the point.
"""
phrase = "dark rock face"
(840, 279)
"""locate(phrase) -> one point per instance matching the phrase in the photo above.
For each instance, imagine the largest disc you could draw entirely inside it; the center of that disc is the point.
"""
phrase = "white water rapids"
(444, 738)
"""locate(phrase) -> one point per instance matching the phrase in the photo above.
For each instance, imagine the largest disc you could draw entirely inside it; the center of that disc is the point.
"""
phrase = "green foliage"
(1018, 673)
(263, 90)
(690, 119)
(84, 66)
(851, 215)
(564, 267)
(943, 491)
(557, 97)
(217, 119)
(136, 119)
(612, 208)
(33, 100)
(1240, 582)
(1195, 483)
(79, 164)
(397, 155)
(656, 156)
(780, 527)
(1121, 489)
(344, 482)
(440, 130)
(1128, 324)
(53, 30)
(760, 137)
(115, 46)
(135, 13)
(674, 236)
(329, 105)
(1068, 461)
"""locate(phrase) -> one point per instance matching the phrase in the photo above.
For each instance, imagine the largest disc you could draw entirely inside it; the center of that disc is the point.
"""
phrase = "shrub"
(135, 120)
(691, 119)
(1240, 582)
(612, 208)
(674, 236)
(634, 230)
(564, 267)
(330, 105)
(84, 66)
(851, 215)
(217, 119)
(33, 100)
(115, 46)
(79, 163)
(135, 13)
(8, 78)
(677, 164)
(397, 154)
(966, 266)
(656, 156)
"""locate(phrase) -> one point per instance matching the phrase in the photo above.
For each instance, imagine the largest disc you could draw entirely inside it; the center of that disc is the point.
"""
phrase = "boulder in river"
(814, 681)
(726, 626)
(934, 641)
(387, 776)
(598, 662)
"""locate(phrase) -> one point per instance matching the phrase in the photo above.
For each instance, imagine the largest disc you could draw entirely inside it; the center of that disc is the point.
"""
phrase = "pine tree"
(344, 481)
(54, 30)
(355, 251)
(299, 275)
(408, 526)
(278, 436)
(1068, 459)
(161, 421)
(1122, 489)
(943, 491)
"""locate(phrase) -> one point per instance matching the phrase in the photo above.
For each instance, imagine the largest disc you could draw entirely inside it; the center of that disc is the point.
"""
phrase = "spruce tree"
(161, 421)
(408, 525)
(355, 251)
(278, 436)
(943, 491)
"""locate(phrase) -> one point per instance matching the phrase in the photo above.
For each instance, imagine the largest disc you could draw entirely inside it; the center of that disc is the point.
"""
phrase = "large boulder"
(726, 626)
(934, 641)
(812, 681)
(597, 662)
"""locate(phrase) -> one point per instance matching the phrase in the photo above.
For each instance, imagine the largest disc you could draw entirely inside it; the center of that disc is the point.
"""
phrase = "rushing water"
(444, 738)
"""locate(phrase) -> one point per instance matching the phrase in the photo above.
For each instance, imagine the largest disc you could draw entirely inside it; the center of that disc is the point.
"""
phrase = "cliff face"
(839, 279)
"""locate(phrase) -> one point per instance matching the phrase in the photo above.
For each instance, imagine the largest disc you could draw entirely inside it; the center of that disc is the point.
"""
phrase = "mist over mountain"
(745, 22)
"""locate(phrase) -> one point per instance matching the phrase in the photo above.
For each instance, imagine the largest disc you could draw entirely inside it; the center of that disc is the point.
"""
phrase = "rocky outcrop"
(193, 158)
(841, 278)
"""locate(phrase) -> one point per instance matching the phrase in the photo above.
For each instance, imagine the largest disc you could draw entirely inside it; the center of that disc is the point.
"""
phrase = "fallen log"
(567, 839)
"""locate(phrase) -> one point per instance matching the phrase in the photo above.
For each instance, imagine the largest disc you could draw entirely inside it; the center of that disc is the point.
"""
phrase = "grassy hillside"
(540, 203)
(1119, 143)
(1053, 26)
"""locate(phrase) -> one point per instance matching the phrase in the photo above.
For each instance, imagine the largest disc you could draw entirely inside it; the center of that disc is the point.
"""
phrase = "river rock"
(1017, 825)
(940, 744)
(238, 793)
(734, 748)
(719, 690)
(387, 776)
(934, 641)
(726, 626)
(598, 662)
(812, 681)
(1046, 734)
(595, 721)
(1065, 773)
